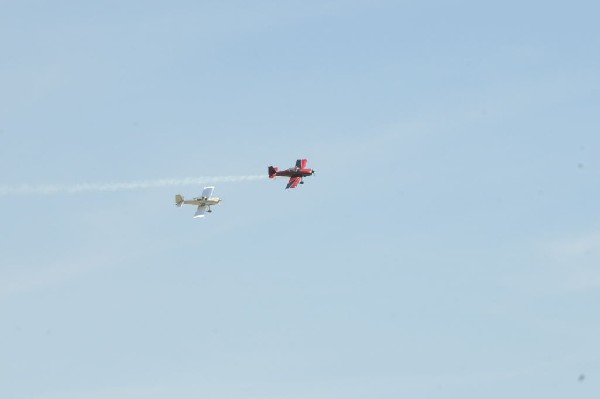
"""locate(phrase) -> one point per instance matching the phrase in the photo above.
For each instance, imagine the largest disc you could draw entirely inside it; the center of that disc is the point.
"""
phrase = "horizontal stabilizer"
(272, 172)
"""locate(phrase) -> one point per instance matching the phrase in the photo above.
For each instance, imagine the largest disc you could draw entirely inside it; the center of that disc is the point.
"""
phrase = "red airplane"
(295, 174)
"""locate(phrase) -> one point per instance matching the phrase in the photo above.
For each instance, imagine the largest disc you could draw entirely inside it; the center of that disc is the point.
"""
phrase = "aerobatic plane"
(296, 174)
(203, 202)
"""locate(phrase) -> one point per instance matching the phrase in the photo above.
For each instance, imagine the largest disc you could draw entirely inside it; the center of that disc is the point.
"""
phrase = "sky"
(448, 245)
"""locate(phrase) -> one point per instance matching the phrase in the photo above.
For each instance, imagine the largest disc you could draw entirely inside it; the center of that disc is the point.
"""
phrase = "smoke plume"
(120, 186)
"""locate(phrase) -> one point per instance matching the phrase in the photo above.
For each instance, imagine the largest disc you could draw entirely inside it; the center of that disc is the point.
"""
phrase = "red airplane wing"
(293, 183)
(301, 163)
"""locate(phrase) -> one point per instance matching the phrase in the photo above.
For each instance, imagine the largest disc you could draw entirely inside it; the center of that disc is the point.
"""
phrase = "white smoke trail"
(123, 186)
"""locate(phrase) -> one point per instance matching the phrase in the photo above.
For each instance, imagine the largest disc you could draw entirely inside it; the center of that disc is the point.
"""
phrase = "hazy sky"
(447, 247)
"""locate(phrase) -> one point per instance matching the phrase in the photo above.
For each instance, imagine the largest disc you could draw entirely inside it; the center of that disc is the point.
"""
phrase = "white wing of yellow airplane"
(200, 211)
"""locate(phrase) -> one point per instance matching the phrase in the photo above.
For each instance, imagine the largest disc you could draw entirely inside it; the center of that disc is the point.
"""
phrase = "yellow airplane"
(203, 202)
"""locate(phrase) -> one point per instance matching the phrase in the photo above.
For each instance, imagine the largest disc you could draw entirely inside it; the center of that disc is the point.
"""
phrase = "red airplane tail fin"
(272, 172)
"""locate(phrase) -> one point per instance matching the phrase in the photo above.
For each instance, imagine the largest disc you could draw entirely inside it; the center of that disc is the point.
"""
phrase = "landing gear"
(301, 182)
(209, 211)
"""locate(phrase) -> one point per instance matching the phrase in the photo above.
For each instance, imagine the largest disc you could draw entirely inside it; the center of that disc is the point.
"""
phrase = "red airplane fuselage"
(292, 172)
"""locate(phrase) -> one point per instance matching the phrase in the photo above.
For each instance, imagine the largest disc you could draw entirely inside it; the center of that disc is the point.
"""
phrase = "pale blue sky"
(448, 246)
